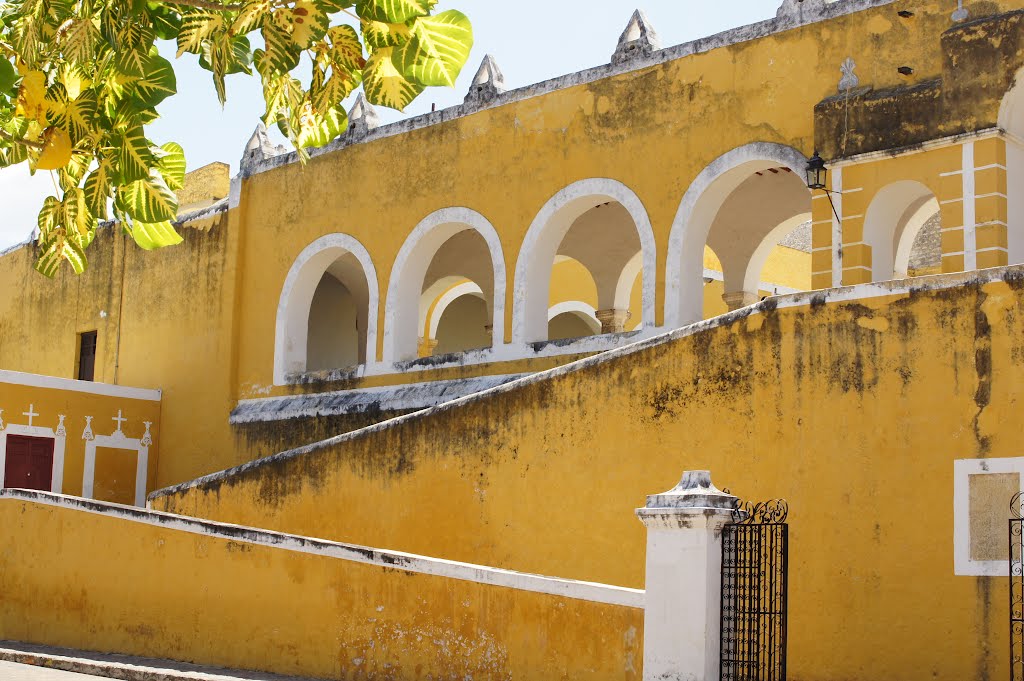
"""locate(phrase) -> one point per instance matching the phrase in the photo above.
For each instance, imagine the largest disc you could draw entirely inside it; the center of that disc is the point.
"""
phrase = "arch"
(303, 278)
(755, 266)
(549, 227)
(893, 218)
(624, 287)
(697, 211)
(1011, 121)
(579, 309)
(468, 288)
(405, 288)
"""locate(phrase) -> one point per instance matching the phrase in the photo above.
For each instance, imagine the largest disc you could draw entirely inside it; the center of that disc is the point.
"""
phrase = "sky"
(531, 40)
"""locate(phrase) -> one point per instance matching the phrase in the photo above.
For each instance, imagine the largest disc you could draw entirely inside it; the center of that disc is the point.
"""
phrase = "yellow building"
(586, 287)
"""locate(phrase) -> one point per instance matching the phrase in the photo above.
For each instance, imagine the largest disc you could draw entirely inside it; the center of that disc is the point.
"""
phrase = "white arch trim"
(752, 275)
(449, 297)
(401, 306)
(702, 200)
(549, 227)
(909, 233)
(300, 284)
(580, 309)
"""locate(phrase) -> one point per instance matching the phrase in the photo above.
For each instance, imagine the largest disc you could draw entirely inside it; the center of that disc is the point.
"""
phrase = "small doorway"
(29, 462)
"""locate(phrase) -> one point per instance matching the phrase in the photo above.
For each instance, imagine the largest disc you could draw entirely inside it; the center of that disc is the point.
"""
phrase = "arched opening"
(594, 231)
(1011, 120)
(741, 206)
(782, 262)
(572, 323)
(895, 218)
(327, 312)
(572, 289)
(450, 248)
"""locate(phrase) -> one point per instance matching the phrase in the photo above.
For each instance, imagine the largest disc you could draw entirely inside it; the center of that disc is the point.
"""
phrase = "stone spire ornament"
(258, 149)
(849, 80)
(487, 84)
(961, 13)
(638, 41)
(361, 119)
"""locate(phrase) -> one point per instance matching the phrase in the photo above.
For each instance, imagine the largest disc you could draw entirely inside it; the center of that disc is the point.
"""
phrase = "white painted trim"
(292, 324)
(401, 307)
(684, 298)
(116, 440)
(540, 245)
(57, 472)
(970, 235)
(837, 226)
(88, 387)
(449, 297)
(389, 560)
(962, 470)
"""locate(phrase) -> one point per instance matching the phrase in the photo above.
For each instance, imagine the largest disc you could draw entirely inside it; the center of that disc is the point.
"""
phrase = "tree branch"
(28, 143)
(206, 4)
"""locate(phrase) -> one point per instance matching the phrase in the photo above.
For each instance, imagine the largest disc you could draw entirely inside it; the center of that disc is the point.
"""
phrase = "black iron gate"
(1016, 557)
(755, 562)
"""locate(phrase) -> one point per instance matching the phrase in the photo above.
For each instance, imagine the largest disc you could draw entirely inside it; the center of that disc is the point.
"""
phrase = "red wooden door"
(29, 462)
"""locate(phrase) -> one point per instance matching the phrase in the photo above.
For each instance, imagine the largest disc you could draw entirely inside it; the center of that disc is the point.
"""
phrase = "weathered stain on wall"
(244, 599)
(852, 405)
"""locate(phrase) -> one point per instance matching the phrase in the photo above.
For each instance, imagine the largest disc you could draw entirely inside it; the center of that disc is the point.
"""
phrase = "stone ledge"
(125, 667)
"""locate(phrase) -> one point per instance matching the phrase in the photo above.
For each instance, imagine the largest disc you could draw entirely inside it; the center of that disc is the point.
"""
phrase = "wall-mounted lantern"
(816, 172)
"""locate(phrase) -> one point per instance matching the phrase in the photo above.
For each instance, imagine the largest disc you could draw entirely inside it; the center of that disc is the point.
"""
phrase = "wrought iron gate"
(755, 563)
(1016, 557)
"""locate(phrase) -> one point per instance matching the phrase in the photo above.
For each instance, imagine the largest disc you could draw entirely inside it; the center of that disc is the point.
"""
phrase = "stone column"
(682, 617)
(426, 347)
(738, 299)
(612, 320)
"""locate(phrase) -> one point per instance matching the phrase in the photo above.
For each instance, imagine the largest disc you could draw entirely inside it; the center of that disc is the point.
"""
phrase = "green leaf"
(149, 200)
(392, 11)
(49, 216)
(345, 49)
(438, 50)
(156, 84)
(250, 17)
(281, 54)
(384, 84)
(98, 187)
(197, 25)
(172, 165)
(79, 223)
(8, 76)
(151, 236)
(379, 34)
(74, 116)
(166, 23)
(319, 130)
(71, 174)
(134, 156)
(78, 42)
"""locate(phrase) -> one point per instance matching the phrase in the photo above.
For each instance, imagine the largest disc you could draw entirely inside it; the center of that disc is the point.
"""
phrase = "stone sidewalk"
(124, 667)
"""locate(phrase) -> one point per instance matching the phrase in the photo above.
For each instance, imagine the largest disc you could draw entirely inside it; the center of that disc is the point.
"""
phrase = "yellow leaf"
(32, 97)
(56, 150)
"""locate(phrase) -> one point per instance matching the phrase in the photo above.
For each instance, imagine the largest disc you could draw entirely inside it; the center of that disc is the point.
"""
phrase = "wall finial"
(487, 84)
(361, 119)
(258, 149)
(849, 80)
(638, 41)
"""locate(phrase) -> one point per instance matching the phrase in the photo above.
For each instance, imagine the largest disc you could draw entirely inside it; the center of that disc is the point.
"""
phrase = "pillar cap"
(694, 491)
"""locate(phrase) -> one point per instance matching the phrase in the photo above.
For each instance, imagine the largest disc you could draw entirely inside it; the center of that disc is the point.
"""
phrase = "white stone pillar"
(682, 617)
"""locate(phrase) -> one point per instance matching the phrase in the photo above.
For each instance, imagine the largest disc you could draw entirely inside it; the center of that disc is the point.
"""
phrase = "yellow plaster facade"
(635, 209)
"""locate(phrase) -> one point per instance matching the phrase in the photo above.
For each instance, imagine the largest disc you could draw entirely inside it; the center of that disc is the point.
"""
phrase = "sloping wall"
(229, 596)
(852, 404)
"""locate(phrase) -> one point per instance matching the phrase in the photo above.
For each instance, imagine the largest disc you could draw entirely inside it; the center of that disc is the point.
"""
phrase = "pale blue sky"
(532, 41)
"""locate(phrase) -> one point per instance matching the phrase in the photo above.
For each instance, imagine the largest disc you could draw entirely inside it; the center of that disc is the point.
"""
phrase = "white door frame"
(57, 475)
(116, 440)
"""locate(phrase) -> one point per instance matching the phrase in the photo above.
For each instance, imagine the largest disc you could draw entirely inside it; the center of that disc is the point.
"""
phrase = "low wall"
(853, 404)
(95, 576)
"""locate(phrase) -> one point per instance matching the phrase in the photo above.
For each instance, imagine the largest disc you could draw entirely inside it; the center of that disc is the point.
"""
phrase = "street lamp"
(816, 174)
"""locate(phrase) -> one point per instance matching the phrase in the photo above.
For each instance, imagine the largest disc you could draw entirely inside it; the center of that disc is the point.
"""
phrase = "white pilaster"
(837, 228)
(970, 217)
(682, 617)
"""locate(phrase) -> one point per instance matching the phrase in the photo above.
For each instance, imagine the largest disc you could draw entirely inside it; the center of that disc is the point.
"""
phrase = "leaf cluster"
(81, 79)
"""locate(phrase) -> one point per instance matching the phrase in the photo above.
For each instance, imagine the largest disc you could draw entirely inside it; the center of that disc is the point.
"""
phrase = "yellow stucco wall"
(853, 411)
(198, 320)
(116, 467)
(175, 311)
(157, 590)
